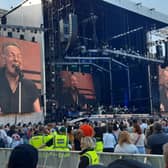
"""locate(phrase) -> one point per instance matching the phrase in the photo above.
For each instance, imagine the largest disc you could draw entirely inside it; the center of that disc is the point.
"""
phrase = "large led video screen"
(20, 76)
(75, 89)
(163, 88)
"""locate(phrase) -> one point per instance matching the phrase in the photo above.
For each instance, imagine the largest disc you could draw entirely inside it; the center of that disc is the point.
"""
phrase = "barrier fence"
(34, 117)
(54, 159)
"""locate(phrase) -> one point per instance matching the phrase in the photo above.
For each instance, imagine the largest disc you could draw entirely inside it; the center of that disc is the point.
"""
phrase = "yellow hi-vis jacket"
(36, 141)
(39, 140)
(92, 156)
(99, 146)
(61, 143)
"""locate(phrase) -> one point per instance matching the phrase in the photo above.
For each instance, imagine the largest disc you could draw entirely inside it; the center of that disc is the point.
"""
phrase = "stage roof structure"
(2, 12)
(139, 9)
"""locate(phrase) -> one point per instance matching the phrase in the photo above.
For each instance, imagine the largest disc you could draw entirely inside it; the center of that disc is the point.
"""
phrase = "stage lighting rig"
(68, 30)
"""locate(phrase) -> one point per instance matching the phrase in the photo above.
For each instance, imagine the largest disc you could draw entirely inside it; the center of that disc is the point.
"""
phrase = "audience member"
(165, 153)
(23, 156)
(109, 140)
(124, 144)
(138, 138)
(128, 163)
(156, 141)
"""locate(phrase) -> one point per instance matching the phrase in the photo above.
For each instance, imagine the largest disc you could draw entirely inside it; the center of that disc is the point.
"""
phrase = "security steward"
(88, 155)
(41, 137)
(58, 142)
(99, 145)
(61, 140)
(99, 140)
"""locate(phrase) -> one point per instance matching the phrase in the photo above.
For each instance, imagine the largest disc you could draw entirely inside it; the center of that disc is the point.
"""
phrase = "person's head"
(62, 130)
(23, 156)
(11, 53)
(137, 129)
(74, 81)
(128, 163)
(165, 153)
(124, 137)
(164, 123)
(143, 120)
(115, 127)
(86, 130)
(157, 127)
(86, 143)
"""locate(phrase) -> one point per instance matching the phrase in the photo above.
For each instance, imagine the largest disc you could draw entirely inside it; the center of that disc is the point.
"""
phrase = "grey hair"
(5, 45)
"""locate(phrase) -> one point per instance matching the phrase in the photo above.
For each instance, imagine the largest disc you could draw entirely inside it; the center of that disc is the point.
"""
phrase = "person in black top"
(24, 155)
(10, 75)
(88, 155)
(71, 95)
(156, 141)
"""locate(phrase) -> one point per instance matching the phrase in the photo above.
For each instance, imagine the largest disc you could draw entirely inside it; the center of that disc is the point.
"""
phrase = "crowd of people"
(133, 136)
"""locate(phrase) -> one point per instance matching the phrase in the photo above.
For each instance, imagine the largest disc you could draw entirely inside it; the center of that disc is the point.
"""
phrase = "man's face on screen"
(74, 81)
(13, 58)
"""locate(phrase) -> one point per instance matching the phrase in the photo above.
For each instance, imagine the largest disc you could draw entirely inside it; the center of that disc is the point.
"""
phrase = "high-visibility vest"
(36, 141)
(99, 146)
(92, 156)
(46, 138)
(39, 140)
(61, 142)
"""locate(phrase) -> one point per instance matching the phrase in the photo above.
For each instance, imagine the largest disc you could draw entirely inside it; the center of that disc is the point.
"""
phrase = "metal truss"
(111, 53)
(80, 63)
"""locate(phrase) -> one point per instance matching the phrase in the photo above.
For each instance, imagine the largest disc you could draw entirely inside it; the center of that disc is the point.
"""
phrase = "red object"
(87, 130)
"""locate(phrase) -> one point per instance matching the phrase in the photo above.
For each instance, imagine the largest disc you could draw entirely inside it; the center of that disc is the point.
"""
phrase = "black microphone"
(18, 70)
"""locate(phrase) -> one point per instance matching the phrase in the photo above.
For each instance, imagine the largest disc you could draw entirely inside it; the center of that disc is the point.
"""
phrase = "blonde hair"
(87, 142)
(124, 136)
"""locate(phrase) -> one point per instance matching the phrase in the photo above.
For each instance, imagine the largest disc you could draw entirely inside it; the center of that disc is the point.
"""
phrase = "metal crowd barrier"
(54, 159)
